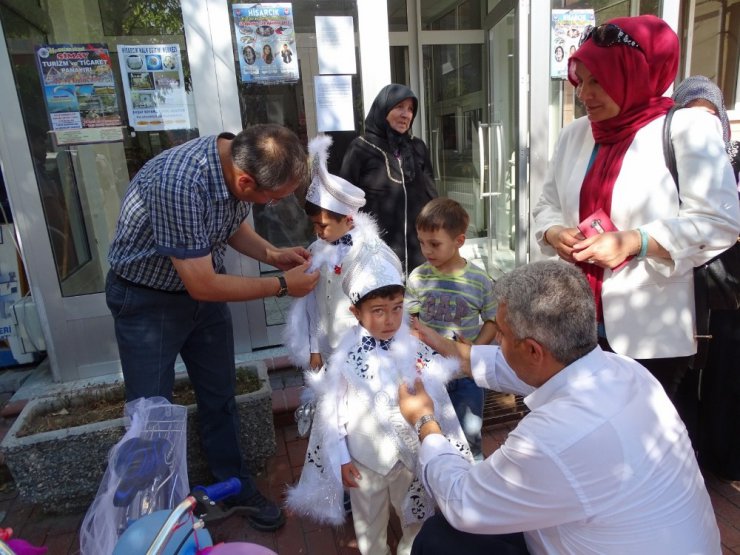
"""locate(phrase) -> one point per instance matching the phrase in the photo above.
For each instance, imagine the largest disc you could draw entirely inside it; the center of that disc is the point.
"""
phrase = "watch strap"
(283, 287)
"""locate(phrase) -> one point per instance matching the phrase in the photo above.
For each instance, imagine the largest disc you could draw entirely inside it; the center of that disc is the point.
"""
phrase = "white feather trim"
(318, 148)
(299, 327)
(296, 334)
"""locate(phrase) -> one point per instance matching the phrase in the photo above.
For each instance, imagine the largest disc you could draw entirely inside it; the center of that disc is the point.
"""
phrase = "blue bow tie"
(369, 343)
(343, 240)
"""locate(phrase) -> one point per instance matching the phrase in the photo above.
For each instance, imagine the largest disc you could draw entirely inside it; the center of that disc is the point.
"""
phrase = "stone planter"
(61, 470)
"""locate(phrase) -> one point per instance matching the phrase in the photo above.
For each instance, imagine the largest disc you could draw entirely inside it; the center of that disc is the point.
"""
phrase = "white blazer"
(649, 304)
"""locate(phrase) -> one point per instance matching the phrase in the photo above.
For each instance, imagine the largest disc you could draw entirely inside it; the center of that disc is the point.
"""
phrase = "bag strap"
(701, 300)
(668, 152)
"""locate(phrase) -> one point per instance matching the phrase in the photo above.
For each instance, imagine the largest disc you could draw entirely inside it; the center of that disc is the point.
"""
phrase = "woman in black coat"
(394, 170)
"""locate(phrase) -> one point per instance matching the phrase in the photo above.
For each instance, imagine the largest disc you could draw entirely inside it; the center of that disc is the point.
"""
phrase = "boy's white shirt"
(360, 388)
(316, 322)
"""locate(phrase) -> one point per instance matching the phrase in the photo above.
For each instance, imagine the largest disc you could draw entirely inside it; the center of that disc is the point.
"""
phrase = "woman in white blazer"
(612, 160)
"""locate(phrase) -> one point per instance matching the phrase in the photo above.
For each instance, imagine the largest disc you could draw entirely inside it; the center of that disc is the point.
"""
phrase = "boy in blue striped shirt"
(453, 296)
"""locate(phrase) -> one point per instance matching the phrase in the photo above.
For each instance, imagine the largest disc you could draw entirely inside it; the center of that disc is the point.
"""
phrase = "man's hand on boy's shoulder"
(288, 257)
(300, 282)
(431, 337)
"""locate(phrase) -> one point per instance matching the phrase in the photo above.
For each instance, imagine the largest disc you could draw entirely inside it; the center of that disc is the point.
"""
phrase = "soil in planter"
(87, 409)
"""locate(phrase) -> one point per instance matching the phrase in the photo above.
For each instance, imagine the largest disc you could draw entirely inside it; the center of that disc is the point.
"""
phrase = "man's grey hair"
(552, 303)
(273, 155)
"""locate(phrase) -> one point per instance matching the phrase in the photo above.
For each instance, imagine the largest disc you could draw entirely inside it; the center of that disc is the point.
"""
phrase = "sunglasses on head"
(607, 34)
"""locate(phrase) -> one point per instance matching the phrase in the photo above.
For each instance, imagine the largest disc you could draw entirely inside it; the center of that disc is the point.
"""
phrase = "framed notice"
(154, 86)
(79, 92)
(334, 111)
(335, 44)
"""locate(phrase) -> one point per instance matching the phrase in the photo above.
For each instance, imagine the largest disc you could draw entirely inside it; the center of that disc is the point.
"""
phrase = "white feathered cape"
(319, 493)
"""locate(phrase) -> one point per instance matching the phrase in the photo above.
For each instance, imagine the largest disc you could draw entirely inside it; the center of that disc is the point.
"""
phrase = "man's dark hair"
(443, 213)
(272, 154)
(385, 292)
(312, 210)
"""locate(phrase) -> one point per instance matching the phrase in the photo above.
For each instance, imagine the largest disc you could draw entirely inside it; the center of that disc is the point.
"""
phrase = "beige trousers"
(371, 503)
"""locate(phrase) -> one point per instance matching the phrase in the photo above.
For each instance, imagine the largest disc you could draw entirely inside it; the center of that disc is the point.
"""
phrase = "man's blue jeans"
(152, 327)
(467, 398)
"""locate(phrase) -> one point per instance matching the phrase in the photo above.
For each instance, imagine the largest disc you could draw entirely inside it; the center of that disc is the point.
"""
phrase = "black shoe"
(262, 513)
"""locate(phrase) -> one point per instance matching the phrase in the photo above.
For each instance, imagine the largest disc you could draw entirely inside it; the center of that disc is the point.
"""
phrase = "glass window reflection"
(82, 181)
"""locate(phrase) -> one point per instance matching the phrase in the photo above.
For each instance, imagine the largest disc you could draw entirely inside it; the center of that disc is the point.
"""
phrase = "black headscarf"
(381, 134)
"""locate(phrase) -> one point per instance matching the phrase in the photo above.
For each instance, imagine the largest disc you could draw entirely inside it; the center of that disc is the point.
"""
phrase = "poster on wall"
(154, 86)
(335, 43)
(566, 27)
(79, 92)
(266, 42)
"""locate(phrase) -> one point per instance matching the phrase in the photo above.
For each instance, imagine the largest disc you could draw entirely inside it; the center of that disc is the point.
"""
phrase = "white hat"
(375, 266)
(328, 191)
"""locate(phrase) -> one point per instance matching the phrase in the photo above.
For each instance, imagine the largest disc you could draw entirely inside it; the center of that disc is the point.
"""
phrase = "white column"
(209, 50)
(375, 55)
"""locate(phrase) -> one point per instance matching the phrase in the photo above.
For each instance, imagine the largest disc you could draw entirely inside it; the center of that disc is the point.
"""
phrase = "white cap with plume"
(328, 191)
(375, 266)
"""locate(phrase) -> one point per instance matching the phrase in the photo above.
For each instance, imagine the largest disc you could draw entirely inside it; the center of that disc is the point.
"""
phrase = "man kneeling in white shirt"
(602, 464)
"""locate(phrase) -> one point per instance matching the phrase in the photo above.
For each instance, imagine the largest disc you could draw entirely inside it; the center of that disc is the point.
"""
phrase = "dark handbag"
(716, 282)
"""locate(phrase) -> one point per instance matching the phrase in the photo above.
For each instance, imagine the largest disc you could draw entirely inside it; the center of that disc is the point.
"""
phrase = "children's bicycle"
(181, 531)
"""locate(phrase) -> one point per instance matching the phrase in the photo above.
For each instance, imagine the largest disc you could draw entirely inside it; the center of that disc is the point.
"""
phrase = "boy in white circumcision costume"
(359, 439)
(316, 322)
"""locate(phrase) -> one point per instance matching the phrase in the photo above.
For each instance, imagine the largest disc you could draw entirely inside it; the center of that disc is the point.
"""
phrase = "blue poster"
(566, 27)
(265, 43)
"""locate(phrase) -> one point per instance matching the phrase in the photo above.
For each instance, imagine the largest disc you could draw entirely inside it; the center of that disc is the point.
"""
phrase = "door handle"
(486, 168)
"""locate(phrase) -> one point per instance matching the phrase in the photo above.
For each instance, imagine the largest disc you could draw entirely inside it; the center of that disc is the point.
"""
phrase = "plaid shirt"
(177, 205)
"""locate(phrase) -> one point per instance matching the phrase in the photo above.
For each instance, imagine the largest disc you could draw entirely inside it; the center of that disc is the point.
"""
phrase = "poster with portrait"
(566, 27)
(265, 42)
(154, 86)
(79, 92)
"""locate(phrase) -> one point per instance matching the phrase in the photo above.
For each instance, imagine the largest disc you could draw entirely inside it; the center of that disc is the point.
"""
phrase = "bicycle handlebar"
(221, 490)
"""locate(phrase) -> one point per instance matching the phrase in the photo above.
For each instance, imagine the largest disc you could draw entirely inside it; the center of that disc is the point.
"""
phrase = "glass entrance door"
(498, 146)
(268, 92)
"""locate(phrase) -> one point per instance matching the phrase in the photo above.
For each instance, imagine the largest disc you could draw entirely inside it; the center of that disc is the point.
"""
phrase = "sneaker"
(262, 513)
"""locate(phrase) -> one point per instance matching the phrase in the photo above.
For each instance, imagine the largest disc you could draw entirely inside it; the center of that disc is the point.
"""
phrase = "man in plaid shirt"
(167, 288)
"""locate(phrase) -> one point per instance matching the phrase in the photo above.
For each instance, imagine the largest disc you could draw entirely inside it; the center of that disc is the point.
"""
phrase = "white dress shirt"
(602, 464)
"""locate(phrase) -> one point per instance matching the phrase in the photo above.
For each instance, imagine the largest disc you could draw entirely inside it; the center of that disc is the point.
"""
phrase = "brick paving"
(301, 537)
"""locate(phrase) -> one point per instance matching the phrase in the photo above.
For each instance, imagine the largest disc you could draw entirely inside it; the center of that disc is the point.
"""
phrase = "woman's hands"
(563, 239)
(607, 250)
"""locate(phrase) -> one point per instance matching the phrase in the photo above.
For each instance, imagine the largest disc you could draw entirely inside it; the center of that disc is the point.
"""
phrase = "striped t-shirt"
(451, 303)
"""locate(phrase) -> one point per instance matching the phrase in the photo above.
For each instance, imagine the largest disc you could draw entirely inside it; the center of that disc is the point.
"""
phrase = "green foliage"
(162, 16)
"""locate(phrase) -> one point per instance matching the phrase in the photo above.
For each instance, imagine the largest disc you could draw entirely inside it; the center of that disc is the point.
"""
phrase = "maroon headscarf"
(635, 79)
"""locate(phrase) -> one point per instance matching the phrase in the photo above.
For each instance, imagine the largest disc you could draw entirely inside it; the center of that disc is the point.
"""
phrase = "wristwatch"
(423, 420)
(283, 287)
